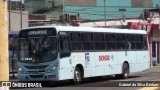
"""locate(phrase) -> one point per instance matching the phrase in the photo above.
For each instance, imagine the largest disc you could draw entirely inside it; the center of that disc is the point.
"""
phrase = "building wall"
(94, 9)
(58, 2)
(80, 2)
(133, 8)
(54, 15)
(53, 3)
(15, 5)
(49, 3)
(34, 5)
(15, 21)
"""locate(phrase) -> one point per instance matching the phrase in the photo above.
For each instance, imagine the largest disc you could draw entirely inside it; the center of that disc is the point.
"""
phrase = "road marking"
(150, 88)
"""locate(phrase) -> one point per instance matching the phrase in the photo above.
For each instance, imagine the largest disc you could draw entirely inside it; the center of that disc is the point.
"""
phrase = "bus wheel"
(125, 72)
(77, 76)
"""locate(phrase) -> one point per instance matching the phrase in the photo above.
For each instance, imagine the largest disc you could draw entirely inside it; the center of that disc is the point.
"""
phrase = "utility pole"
(159, 16)
(105, 12)
(4, 59)
(9, 15)
(21, 13)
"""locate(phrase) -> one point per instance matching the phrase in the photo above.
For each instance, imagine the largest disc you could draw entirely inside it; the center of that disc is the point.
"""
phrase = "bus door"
(65, 58)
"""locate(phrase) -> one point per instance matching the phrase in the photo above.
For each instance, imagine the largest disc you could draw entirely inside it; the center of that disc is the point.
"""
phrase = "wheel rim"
(126, 71)
(77, 75)
(126, 74)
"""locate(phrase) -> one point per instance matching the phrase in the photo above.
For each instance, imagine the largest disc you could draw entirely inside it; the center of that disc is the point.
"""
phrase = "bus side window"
(110, 41)
(75, 43)
(99, 42)
(120, 41)
(139, 42)
(64, 45)
(87, 41)
(145, 45)
(130, 42)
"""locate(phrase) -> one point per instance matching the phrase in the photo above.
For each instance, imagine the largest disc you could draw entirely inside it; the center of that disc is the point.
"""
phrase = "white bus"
(62, 52)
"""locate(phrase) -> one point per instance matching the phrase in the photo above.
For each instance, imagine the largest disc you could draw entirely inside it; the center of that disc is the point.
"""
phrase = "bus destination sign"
(41, 32)
(37, 32)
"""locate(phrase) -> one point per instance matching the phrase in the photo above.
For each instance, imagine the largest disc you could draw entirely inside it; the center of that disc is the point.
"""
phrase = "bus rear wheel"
(125, 72)
(77, 76)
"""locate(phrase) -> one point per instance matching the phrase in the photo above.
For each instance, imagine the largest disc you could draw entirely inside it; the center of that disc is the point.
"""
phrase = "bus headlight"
(52, 69)
(21, 70)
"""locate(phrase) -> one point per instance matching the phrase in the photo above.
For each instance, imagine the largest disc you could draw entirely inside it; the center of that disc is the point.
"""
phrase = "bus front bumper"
(38, 77)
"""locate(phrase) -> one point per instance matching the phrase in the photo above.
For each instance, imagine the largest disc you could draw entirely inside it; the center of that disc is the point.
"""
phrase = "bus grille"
(36, 67)
(36, 76)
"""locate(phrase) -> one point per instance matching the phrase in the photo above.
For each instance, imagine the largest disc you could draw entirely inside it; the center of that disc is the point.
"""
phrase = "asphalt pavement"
(151, 74)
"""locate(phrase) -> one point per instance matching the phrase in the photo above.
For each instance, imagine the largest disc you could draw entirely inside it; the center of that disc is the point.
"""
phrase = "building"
(16, 22)
(99, 13)
(48, 10)
(15, 5)
(109, 9)
(40, 6)
(91, 9)
(17, 18)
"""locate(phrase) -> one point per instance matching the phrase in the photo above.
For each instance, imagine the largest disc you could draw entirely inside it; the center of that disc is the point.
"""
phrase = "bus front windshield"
(37, 50)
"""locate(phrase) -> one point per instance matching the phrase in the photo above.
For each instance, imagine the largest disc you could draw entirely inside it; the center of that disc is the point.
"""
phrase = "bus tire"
(125, 72)
(77, 76)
